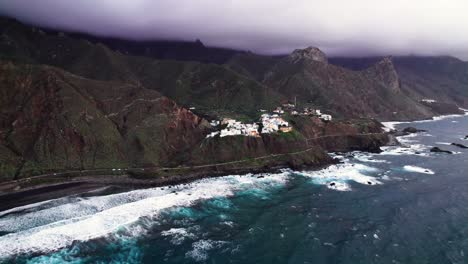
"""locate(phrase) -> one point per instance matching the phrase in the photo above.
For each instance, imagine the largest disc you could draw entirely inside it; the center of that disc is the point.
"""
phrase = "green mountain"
(386, 89)
(442, 78)
(52, 120)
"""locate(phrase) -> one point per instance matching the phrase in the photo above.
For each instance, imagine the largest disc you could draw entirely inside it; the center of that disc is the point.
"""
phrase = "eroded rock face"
(310, 53)
(385, 72)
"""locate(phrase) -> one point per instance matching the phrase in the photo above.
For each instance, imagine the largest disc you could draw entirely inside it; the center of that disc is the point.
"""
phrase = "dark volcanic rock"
(459, 145)
(438, 150)
(412, 130)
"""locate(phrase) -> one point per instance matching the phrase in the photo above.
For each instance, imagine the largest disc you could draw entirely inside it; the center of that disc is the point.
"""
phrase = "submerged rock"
(459, 145)
(438, 150)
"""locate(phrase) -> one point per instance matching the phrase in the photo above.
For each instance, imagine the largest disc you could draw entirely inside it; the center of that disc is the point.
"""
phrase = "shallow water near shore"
(405, 205)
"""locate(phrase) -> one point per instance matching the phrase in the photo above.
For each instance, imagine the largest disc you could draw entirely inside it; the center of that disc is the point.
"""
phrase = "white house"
(326, 117)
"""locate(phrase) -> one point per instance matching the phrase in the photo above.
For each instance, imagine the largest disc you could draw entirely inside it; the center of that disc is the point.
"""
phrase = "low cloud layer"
(339, 27)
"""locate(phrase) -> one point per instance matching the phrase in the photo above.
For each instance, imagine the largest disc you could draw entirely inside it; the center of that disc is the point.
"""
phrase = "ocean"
(404, 205)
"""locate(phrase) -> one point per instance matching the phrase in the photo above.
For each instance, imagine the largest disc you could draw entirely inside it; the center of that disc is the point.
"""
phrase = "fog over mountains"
(339, 28)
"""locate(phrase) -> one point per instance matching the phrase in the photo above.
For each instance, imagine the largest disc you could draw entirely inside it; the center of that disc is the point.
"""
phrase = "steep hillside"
(444, 79)
(52, 120)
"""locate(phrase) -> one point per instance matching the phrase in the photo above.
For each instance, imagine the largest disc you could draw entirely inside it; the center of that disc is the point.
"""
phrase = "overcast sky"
(339, 27)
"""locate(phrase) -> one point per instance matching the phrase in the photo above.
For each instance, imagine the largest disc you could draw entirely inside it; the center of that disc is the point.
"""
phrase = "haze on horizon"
(340, 28)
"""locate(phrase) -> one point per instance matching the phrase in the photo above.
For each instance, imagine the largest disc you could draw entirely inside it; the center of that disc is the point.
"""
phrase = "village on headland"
(269, 122)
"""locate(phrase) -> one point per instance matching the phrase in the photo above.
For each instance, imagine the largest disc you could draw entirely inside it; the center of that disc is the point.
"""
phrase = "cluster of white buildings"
(270, 124)
(234, 128)
(430, 101)
(313, 112)
(274, 123)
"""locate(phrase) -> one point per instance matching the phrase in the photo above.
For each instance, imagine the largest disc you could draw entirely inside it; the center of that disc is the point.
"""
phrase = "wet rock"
(370, 183)
(332, 184)
(260, 177)
(459, 145)
(412, 130)
(438, 150)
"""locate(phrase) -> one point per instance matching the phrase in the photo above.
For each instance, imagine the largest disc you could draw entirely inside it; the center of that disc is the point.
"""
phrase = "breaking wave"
(338, 176)
(417, 169)
(55, 227)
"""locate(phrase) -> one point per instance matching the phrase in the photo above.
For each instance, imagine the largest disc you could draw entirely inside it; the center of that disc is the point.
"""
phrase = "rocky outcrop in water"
(412, 130)
(459, 145)
(438, 150)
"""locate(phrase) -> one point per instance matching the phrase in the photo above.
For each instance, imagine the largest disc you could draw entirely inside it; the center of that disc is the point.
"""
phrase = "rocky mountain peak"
(385, 72)
(310, 53)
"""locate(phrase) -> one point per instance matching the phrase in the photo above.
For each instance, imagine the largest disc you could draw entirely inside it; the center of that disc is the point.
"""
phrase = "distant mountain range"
(71, 101)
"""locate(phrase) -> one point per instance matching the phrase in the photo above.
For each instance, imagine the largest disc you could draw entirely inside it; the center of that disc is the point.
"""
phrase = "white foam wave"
(417, 169)
(61, 233)
(368, 158)
(408, 139)
(200, 249)
(443, 143)
(389, 126)
(47, 212)
(414, 149)
(178, 235)
(337, 176)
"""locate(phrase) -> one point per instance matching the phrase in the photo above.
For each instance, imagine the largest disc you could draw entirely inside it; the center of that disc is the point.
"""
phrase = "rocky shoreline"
(56, 185)
(11, 196)
(100, 182)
